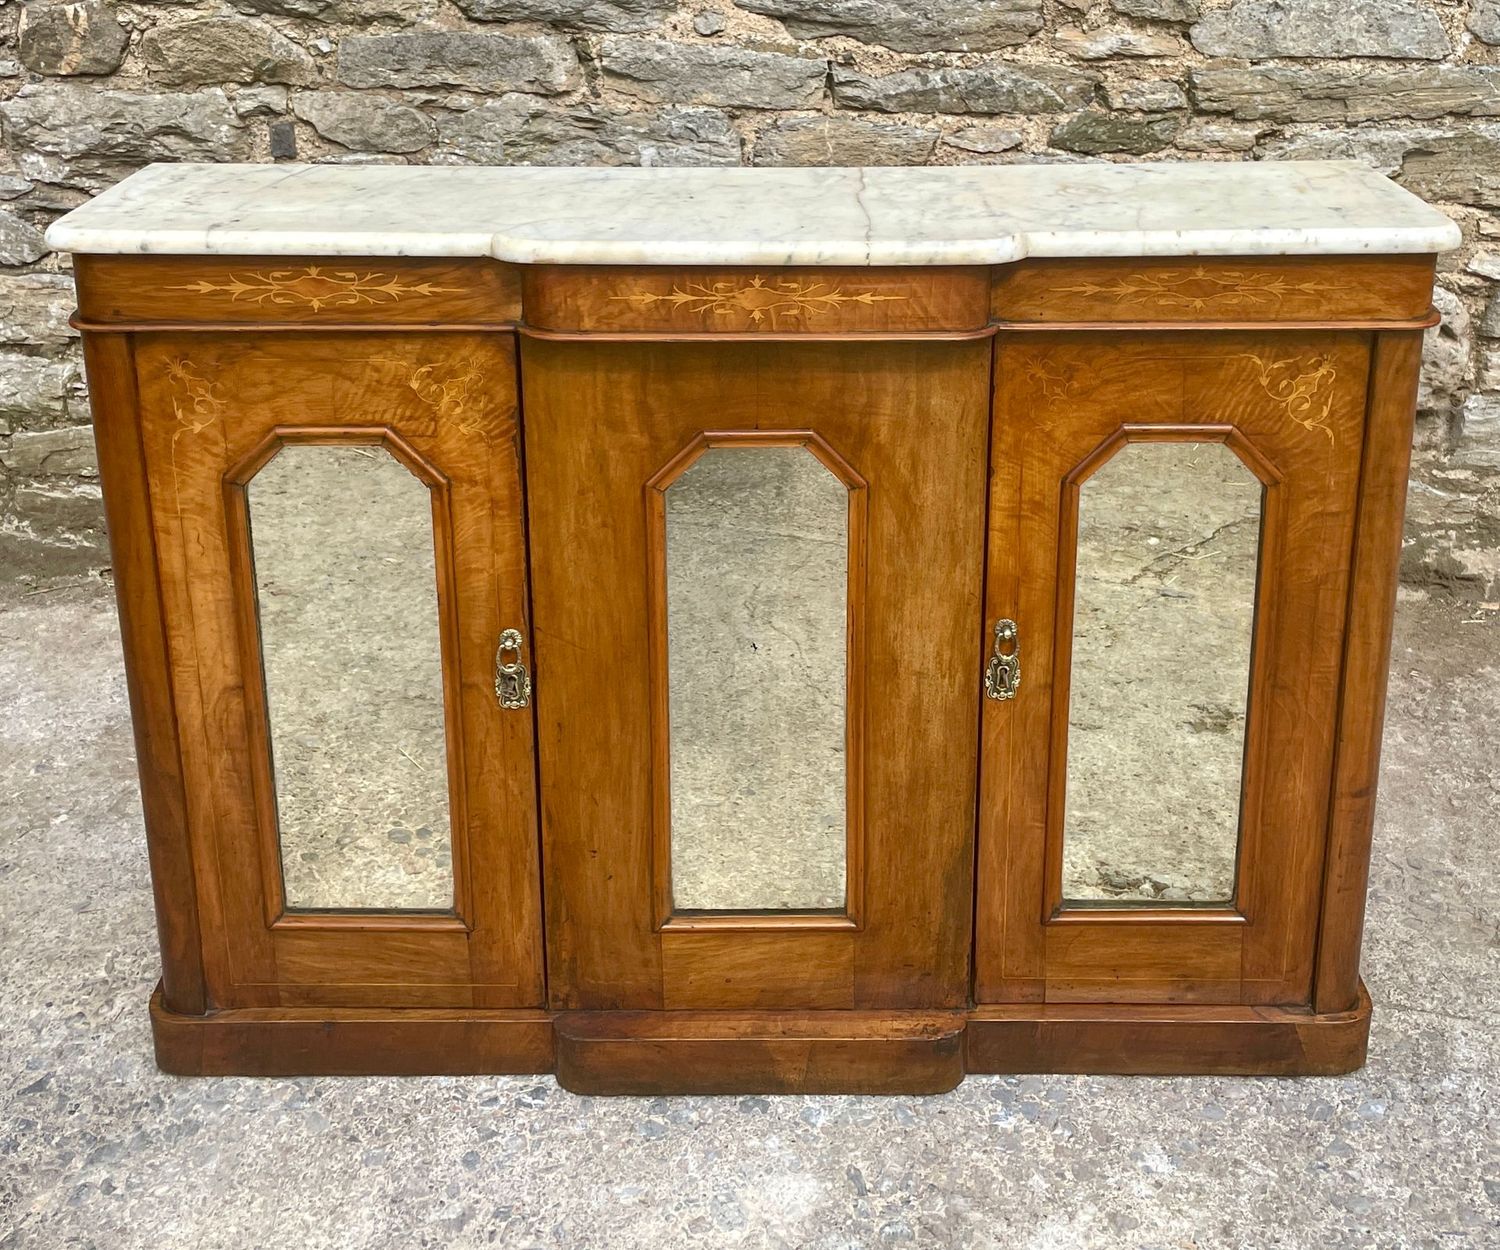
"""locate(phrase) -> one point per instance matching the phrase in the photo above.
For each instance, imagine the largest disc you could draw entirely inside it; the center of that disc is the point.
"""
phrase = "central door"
(756, 617)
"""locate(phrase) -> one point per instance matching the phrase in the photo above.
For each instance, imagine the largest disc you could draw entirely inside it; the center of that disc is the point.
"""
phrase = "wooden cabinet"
(220, 412)
(756, 679)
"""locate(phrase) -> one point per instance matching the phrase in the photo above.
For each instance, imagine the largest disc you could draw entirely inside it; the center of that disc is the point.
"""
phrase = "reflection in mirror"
(757, 548)
(347, 594)
(1168, 539)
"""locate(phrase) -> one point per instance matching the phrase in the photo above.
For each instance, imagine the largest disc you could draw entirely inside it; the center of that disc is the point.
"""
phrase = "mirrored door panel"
(755, 627)
(1171, 525)
(1168, 538)
(757, 624)
(339, 521)
(346, 597)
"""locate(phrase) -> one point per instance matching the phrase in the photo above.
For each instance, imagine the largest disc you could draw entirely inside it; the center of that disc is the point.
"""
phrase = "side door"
(1171, 529)
(338, 518)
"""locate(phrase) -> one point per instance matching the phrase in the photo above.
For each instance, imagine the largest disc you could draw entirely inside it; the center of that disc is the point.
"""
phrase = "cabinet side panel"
(127, 509)
(1396, 363)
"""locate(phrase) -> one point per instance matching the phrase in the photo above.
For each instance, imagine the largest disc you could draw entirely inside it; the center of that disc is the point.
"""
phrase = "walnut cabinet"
(754, 678)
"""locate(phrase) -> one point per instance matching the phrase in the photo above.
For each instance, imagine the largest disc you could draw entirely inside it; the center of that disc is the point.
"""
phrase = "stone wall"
(90, 91)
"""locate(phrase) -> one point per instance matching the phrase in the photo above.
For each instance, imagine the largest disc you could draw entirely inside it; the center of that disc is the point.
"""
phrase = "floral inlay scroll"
(1302, 386)
(766, 303)
(1199, 289)
(196, 402)
(450, 390)
(314, 287)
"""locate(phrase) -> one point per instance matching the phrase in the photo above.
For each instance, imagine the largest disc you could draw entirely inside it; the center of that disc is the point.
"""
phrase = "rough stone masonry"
(90, 91)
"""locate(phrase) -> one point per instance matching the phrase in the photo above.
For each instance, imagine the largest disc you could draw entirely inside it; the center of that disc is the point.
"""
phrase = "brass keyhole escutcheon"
(1002, 676)
(512, 681)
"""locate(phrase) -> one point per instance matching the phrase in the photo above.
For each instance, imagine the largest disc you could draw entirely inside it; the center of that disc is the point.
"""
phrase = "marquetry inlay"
(450, 389)
(1302, 386)
(314, 287)
(1052, 382)
(765, 303)
(196, 402)
(1200, 289)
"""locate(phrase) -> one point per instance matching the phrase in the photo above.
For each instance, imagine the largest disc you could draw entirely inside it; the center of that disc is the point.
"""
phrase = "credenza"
(711, 630)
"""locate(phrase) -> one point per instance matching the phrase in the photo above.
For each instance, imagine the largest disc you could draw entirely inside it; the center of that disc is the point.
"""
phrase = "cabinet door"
(757, 590)
(339, 525)
(1171, 527)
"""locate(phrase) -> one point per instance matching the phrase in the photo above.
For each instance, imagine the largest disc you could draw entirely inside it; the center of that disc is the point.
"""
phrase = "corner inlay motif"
(448, 388)
(315, 287)
(451, 395)
(765, 303)
(1301, 385)
(1201, 288)
(1052, 383)
(196, 402)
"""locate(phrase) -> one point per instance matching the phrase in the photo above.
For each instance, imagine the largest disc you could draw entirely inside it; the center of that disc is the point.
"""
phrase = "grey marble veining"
(888, 216)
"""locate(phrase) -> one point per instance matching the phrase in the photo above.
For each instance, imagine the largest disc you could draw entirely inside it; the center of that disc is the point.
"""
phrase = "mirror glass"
(1168, 539)
(347, 593)
(757, 549)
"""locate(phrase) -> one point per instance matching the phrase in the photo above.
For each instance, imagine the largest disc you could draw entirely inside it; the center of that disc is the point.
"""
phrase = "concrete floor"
(99, 1150)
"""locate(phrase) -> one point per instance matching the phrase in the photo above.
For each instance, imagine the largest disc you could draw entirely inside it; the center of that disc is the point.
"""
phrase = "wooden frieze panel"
(284, 290)
(699, 301)
(1216, 289)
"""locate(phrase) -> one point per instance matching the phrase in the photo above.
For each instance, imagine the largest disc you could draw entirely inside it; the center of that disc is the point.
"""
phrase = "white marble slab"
(917, 216)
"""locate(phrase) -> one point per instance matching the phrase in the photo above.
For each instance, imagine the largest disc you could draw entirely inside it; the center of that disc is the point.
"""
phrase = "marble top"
(886, 216)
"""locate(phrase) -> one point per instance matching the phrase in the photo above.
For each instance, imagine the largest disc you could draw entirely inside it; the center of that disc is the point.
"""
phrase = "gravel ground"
(98, 1149)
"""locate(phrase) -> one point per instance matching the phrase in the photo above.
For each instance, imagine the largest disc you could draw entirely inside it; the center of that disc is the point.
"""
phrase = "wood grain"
(622, 299)
(828, 1052)
(757, 970)
(1204, 290)
(1394, 371)
(1059, 405)
(153, 715)
(296, 290)
(602, 420)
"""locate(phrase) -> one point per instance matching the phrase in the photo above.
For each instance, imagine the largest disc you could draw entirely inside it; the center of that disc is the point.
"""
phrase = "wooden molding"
(1267, 564)
(765, 1052)
(136, 564)
(1168, 1040)
(1394, 368)
(237, 478)
(854, 686)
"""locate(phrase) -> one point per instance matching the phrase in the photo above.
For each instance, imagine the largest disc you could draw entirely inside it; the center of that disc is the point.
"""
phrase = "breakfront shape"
(707, 678)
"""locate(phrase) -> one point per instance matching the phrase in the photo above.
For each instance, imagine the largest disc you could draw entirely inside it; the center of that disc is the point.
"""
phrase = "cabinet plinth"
(858, 824)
